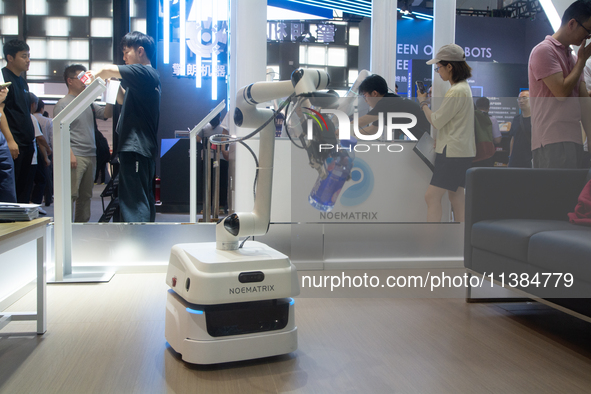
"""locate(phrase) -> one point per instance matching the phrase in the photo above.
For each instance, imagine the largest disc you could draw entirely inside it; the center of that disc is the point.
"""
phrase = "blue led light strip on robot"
(195, 311)
(198, 312)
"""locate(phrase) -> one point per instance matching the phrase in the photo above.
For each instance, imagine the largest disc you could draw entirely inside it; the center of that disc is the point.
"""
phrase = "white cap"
(449, 53)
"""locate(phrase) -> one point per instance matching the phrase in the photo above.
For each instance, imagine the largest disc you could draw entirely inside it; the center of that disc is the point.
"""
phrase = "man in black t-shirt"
(137, 128)
(18, 115)
(375, 91)
(7, 189)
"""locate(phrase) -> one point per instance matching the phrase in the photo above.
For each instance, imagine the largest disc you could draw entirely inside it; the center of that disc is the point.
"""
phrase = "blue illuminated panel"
(200, 28)
(166, 31)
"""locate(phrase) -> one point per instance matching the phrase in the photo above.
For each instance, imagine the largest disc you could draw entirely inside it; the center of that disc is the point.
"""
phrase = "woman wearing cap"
(455, 145)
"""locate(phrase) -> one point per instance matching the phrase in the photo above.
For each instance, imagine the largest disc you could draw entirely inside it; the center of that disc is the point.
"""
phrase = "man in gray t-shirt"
(82, 141)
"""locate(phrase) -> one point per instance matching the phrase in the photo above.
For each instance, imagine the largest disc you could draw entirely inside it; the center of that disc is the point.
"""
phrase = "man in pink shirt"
(556, 83)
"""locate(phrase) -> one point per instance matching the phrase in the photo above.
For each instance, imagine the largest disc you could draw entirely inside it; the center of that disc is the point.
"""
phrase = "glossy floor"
(109, 338)
(96, 209)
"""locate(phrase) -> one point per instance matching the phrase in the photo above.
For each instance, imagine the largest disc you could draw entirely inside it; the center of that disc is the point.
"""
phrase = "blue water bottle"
(325, 192)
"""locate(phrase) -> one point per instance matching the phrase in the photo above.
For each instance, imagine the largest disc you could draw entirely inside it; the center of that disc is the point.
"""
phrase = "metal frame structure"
(63, 187)
(524, 9)
(519, 9)
(193, 164)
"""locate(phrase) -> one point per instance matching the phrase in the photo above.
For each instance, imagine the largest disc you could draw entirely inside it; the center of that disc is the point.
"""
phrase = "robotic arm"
(318, 157)
(247, 115)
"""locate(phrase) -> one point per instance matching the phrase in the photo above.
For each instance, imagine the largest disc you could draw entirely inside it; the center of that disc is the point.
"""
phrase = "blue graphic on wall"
(195, 40)
(360, 191)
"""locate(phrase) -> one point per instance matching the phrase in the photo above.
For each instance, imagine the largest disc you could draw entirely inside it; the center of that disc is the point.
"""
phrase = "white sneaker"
(42, 211)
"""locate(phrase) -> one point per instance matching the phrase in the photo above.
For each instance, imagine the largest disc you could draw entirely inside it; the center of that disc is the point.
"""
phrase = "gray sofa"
(516, 222)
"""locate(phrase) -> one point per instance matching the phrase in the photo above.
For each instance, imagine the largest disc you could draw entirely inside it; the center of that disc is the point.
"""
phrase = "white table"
(13, 235)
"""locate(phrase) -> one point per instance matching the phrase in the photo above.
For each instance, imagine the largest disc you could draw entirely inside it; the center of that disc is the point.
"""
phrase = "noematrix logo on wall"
(360, 191)
(361, 172)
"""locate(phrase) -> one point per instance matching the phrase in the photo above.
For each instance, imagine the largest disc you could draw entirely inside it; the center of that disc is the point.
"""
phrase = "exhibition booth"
(385, 229)
(302, 214)
(299, 256)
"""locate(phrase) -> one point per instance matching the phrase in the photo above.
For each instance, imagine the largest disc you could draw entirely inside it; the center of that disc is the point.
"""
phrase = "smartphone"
(421, 87)
(3, 85)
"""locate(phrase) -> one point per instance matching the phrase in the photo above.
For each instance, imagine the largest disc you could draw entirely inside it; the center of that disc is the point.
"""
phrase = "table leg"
(41, 286)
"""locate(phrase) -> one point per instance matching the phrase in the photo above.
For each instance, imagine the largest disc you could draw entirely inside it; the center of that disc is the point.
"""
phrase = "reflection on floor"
(109, 338)
(96, 209)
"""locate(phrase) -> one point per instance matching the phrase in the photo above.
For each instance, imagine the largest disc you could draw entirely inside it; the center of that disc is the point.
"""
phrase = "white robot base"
(187, 332)
(228, 306)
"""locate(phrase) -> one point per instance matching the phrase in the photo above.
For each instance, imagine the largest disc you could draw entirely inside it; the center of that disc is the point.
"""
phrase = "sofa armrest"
(516, 193)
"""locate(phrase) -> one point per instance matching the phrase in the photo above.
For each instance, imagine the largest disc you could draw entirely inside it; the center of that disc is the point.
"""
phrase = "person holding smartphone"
(7, 187)
(455, 144)
(375, 91)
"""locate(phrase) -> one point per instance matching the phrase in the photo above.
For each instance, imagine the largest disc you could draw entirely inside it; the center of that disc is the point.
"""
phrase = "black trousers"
(39, 181)
(22, 168)
(136, 187)
(7, 189)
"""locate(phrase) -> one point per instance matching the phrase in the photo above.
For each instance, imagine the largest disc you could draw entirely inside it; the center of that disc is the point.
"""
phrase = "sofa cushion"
(566, 251)
(510, 237)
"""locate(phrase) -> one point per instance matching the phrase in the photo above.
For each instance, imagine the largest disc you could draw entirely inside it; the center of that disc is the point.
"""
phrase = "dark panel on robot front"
(246, 317)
